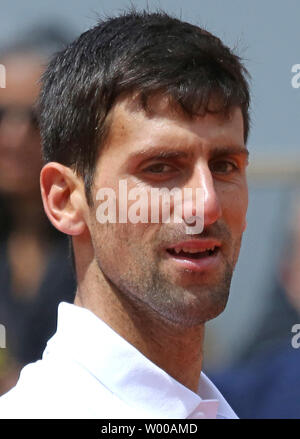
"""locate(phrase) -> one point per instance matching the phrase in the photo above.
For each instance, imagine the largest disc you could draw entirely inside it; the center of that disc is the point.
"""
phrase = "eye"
(223, 167)
(159, 168)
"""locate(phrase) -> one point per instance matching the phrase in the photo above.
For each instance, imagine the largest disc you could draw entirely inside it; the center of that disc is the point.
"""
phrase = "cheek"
(121, 244)
(124, 253)
(110, 249)
(234, 207)
(136, 243)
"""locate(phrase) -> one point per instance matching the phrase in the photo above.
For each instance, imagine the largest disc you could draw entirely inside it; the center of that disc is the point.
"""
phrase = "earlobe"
(62, 198)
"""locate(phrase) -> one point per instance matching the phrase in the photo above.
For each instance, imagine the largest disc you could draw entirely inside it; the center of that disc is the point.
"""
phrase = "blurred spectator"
(267, 384)
(35, 271)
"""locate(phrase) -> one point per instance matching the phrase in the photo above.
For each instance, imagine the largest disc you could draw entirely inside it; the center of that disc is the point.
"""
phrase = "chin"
(193, 313)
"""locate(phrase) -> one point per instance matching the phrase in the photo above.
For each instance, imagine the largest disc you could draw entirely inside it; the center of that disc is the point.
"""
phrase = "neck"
(175, 349)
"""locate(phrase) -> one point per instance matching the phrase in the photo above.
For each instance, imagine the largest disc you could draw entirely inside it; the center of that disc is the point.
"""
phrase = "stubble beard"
(153, 295)
(146, 290)
(186, 307)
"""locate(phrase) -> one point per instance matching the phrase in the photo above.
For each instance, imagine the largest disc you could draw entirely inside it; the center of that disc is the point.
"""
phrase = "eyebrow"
(157, 153)
(231, 150)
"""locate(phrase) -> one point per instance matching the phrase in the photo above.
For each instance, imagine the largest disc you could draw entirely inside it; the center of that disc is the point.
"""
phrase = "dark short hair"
(138, 52)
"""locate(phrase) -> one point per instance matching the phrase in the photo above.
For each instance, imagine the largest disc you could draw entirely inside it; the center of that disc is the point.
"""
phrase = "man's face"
(160, 265)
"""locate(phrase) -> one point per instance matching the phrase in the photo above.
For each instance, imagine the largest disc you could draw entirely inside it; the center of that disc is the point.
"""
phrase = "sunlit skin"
(125, 274)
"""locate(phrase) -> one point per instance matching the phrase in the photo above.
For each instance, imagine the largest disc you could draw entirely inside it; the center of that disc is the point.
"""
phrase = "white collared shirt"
(89, 371)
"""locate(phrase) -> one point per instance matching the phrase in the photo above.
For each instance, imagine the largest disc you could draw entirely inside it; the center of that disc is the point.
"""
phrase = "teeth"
(191, 250)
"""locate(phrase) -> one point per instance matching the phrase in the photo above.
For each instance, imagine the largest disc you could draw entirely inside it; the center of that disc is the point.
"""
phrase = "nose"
(207, 201)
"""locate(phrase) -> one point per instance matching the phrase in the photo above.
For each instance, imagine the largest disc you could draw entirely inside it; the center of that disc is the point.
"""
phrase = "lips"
(197, 255)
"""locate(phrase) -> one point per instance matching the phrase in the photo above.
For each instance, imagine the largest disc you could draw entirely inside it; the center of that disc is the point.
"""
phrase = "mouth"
(196, 255)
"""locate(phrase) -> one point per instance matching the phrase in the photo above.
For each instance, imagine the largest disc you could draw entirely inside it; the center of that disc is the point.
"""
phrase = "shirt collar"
(127, 373)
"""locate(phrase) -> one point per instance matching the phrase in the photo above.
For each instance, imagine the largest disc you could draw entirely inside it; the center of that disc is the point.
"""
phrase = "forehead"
(134, 129)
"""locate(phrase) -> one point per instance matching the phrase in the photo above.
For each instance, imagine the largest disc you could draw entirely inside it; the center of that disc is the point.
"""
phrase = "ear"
(63, 198)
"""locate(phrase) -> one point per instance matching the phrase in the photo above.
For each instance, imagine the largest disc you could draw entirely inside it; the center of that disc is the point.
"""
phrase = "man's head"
(158, 103)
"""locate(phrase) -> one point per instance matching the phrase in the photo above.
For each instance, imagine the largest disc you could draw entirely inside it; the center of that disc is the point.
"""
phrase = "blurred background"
(264, 302)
